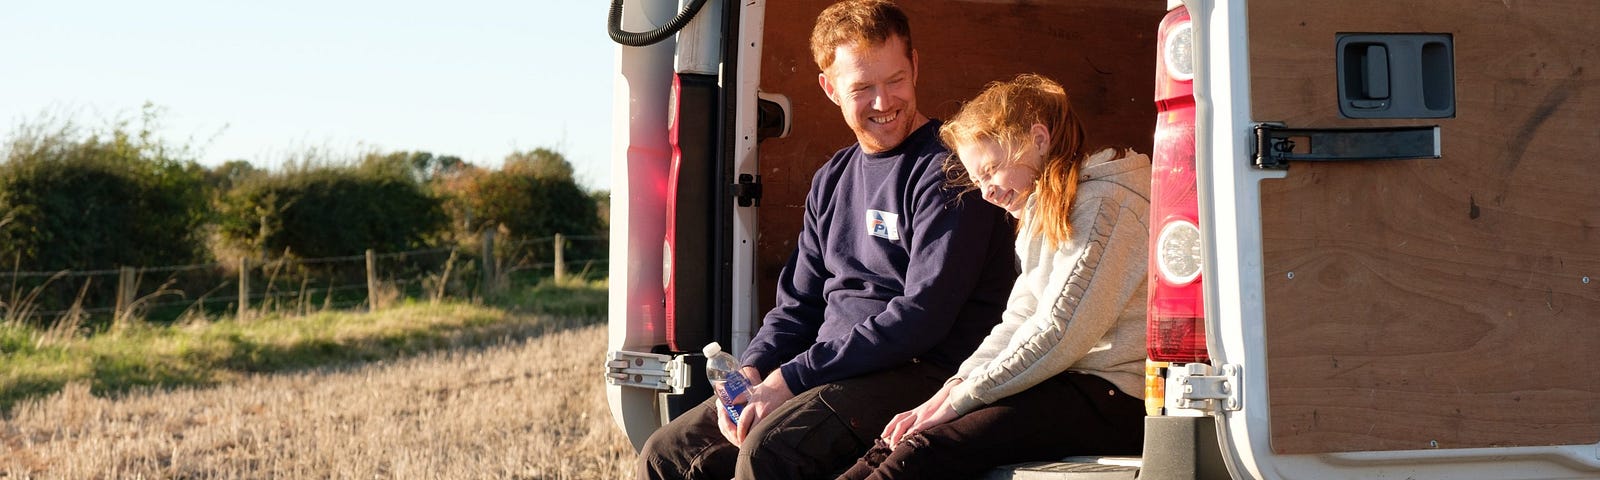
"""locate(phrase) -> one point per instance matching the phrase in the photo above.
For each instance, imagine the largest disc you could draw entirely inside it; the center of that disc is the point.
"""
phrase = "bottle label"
(731, 391)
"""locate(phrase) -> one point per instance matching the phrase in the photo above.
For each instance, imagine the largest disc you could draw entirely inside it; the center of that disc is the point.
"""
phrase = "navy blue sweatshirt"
(890, 267)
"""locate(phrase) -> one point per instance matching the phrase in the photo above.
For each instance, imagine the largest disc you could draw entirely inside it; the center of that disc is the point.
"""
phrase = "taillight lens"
(1177, 331)
(1155, 387)
(686, 254)
(669, 244)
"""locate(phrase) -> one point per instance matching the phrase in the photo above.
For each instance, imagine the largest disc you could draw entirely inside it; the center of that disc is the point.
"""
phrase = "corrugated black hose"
(640, 39)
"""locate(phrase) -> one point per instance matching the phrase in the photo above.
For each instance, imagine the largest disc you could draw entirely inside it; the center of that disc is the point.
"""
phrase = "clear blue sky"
(262, 79)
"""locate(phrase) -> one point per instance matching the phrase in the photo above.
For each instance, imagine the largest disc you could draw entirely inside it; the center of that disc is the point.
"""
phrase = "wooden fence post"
(125, 291)
(561, 265)
(244, 288)
(487, 262)
(372, 282)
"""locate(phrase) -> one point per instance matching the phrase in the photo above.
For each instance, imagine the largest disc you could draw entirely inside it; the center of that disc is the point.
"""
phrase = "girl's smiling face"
(1004, 175)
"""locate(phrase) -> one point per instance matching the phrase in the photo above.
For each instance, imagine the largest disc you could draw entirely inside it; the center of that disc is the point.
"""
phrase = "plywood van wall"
(1103, 51)
(1446, 303)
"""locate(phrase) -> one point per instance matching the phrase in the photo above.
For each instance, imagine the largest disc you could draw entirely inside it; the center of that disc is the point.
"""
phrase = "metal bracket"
(1204, 391)
(748, 190)
(647, 370)
(1276, 146)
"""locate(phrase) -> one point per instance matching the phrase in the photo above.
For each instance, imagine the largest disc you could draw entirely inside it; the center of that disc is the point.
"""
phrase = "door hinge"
(647, 370)
(1276, 146)
(748, 190)
(1204, 387)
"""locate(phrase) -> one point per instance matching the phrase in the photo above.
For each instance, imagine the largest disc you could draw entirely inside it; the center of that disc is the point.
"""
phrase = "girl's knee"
(919, 457)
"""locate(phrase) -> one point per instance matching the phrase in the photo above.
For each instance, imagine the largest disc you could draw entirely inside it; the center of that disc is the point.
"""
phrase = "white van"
(1376, 248)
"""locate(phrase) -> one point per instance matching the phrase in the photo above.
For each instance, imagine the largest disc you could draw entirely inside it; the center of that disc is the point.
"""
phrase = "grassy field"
(417, 391)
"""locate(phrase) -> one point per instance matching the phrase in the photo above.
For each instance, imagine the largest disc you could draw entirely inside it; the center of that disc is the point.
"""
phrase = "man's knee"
(761, 460)
(690, 446)
(653, 449)
(656, 458)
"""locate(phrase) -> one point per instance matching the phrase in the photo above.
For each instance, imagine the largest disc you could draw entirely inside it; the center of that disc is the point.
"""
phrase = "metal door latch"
(647, 370)
(1276, 146)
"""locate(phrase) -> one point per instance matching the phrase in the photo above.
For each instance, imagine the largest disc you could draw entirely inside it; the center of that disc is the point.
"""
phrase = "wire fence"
(247, 286)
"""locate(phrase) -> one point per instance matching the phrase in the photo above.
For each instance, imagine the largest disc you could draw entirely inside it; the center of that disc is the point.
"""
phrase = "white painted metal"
(1201, 386)
(700, 41)
(1174, 392)
(647, 370)
(747, 81)
(640, 157)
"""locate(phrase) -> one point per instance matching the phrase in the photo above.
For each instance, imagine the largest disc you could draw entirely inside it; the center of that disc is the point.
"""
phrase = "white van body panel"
(640, 158)
(1229, 198)
(1222, 137)
(700, 44)
(747, 81)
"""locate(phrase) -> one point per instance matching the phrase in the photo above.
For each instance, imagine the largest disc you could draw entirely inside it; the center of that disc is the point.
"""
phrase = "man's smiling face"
(875, 88)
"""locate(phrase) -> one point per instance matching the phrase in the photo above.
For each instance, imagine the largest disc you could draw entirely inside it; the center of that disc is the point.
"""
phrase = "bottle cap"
(712, 348)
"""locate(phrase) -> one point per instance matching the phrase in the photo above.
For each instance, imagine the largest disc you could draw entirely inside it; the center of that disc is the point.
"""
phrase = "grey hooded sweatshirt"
(1080, 306)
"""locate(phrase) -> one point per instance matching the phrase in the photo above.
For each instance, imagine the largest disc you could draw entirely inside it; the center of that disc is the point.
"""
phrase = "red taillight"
(1177, 331)
(669, 244)
(686, 255)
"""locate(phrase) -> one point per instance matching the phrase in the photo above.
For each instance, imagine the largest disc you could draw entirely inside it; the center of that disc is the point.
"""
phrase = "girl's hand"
(940, 416)
(934, 411)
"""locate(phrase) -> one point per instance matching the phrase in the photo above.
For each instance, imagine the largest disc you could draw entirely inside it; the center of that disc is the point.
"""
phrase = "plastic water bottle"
(723, 371)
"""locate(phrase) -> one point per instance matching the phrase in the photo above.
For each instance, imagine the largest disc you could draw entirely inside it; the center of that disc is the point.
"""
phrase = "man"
(894, 282)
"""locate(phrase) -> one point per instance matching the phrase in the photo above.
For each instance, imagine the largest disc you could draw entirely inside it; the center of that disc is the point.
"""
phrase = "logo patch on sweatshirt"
(885, 225)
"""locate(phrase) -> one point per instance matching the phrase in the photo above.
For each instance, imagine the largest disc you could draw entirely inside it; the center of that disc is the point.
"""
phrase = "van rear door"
(1432, 316)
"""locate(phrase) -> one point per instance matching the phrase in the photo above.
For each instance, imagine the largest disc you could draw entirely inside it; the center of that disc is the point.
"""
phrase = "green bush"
(99, 200)
(534, 207)
(532, 197)
(330, 211)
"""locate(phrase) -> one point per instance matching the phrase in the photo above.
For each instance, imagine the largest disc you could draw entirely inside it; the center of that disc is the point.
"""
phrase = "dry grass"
(529, 409)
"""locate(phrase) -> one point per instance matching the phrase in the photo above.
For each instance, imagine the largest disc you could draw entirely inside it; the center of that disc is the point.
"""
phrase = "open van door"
(1400, 202)
(687, 116)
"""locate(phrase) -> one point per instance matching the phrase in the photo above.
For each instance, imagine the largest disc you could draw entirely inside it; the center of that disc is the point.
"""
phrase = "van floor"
(1072, 468)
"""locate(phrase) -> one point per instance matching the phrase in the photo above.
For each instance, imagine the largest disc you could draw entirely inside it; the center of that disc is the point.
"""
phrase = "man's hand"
(935, 411)
(764, 398)
(729, 430)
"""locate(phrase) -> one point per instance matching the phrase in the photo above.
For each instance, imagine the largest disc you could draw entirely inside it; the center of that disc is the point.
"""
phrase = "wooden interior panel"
(1449, 303)
(1102, 51)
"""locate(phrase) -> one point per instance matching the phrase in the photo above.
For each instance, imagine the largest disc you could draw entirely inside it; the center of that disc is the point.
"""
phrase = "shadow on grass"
(223, 358)
(573, 298)
(28, 386)
(247, 356)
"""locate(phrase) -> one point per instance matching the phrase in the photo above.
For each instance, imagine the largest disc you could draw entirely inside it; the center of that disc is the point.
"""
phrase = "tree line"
(76, 198)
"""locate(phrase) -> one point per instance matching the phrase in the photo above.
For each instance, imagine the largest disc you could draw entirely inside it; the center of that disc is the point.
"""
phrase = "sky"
(266, 80)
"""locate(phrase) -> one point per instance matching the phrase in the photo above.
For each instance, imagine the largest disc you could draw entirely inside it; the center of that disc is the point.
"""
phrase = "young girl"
(1063, 373)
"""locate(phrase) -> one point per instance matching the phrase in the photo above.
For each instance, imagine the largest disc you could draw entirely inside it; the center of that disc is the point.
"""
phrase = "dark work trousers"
(1069, 414)
(816, 434)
